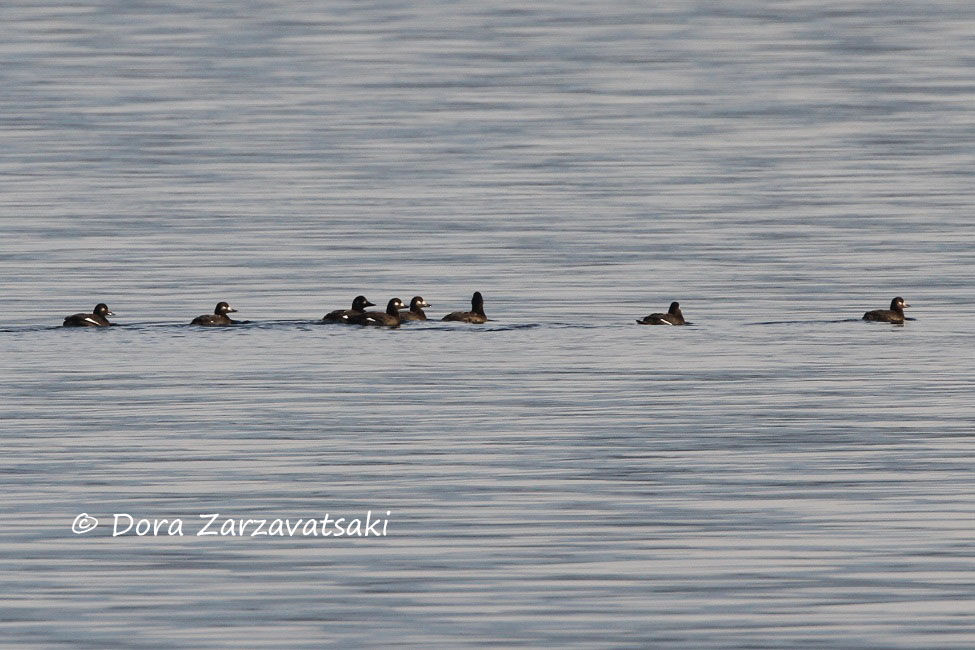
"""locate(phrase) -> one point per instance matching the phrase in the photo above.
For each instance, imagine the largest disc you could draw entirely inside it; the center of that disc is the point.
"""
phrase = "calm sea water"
(780, 474)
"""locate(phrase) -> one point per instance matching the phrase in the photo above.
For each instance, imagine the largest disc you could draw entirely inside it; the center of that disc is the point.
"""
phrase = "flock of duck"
(357, 315)
(397, 313)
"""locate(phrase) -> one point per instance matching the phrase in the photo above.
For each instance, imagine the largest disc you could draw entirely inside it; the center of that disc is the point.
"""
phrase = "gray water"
(779, 474)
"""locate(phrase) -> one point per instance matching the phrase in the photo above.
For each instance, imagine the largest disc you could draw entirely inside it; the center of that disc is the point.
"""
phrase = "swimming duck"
(218, 317)
(893, 315)
(343, 315)
(475, 315)
(416, 310)
(672, 317)
(389, 318)
(95, 319)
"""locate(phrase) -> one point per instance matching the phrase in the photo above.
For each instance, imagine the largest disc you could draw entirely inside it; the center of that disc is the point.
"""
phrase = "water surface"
(778, 474)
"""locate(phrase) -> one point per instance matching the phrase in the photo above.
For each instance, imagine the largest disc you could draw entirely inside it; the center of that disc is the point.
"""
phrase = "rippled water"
(779, 474)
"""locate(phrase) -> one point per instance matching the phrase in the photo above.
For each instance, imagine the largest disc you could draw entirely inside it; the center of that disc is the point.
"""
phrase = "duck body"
(476, 315)
(217, 318)
(359, 305)
(674, 316)
(893, 315)
(388, 318)
(416, 310)
(97, 318)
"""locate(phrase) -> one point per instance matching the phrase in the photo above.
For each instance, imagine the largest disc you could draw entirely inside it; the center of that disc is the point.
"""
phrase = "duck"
(218, 317)
(672, 317)
(475, 315)
(416, 310)
(359, 305)
(893, 315)
(95, 319)
(389, 318)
